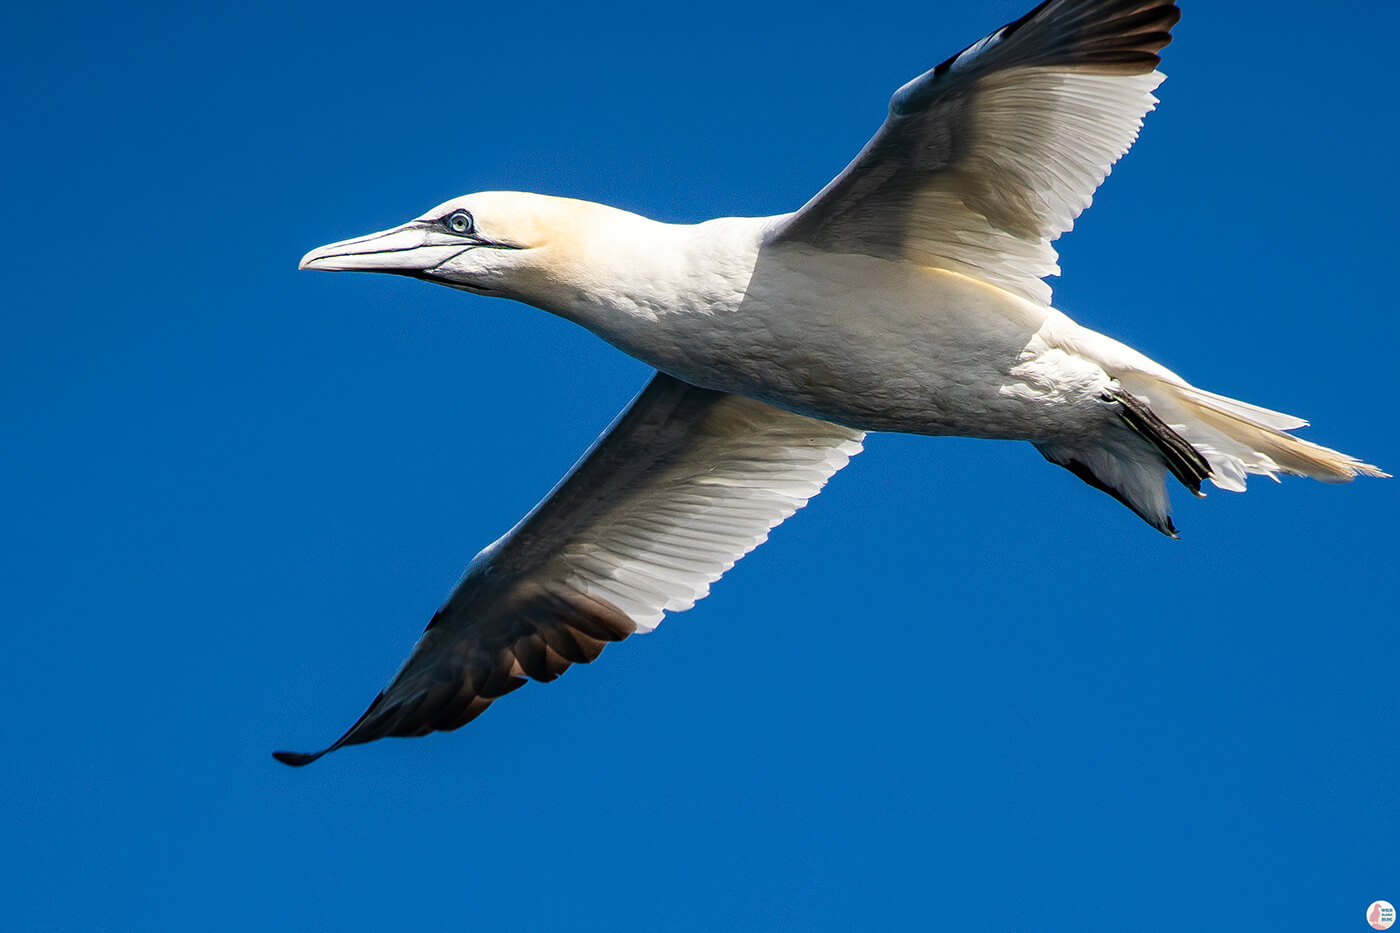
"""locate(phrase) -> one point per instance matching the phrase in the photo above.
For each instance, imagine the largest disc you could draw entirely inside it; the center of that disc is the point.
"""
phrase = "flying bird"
(908, 295)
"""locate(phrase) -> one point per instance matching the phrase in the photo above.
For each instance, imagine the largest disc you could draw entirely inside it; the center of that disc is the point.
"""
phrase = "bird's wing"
(681, 486)
(988, 158)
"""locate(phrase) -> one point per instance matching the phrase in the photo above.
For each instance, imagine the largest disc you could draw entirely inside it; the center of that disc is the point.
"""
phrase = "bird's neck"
(621, 272)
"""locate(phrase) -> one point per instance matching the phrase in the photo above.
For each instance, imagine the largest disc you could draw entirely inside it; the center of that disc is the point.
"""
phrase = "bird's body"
(907, 295)
(871, 343)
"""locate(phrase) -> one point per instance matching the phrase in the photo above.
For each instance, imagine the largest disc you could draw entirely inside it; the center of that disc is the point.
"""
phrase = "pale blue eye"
(460, 223)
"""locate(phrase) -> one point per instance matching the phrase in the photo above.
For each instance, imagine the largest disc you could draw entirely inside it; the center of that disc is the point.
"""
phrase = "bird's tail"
(1195, 435)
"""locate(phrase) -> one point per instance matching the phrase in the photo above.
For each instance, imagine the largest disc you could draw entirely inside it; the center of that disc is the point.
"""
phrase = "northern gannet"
(908, 295)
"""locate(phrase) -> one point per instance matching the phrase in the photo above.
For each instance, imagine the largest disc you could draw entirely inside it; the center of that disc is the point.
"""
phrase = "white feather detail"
(1237, 438)
(1042, 141)
(680, 524)
(982, 177)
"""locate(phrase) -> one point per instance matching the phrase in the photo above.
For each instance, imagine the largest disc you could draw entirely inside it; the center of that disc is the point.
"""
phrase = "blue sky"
(960, 691)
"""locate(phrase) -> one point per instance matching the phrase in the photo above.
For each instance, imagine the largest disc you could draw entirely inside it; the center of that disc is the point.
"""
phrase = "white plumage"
(908, 295)
(742, 469)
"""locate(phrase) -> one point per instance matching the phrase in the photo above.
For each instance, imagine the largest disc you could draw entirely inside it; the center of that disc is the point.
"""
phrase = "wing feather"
(987, 159)
(681, 486)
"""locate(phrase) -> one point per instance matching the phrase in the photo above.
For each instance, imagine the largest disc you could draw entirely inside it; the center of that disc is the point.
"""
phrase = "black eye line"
(474, 234)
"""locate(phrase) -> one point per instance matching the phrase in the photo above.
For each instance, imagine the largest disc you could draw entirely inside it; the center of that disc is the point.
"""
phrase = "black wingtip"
(296, 759)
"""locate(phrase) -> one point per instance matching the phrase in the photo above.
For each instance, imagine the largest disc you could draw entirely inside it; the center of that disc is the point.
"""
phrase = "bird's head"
(529, 247)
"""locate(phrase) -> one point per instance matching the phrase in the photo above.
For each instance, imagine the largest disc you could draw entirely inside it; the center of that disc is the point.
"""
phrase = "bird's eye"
(460, 222)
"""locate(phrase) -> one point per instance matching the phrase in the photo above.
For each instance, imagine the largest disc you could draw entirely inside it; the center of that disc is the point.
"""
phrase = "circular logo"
(1381, 915)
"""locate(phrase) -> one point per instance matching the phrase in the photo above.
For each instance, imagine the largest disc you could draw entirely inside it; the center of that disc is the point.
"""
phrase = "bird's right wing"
(683, 484)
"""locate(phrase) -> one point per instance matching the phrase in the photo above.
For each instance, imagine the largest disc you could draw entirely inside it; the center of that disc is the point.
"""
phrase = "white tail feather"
(1179, 427)
(1237, 438)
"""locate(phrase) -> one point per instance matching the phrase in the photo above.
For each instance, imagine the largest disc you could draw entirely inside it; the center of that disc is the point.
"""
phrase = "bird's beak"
(412, 249)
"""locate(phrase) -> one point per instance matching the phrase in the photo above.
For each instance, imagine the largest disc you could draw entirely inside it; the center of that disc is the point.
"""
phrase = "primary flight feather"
(908, 295)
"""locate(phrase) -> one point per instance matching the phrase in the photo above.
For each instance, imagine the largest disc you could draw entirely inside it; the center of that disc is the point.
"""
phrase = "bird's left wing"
(985, 160)
(681, 486)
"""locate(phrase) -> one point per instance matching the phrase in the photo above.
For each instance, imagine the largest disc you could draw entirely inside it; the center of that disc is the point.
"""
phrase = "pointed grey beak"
(411, 249)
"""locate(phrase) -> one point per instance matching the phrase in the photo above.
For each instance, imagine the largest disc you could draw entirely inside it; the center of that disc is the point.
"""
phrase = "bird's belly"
(881, 346)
